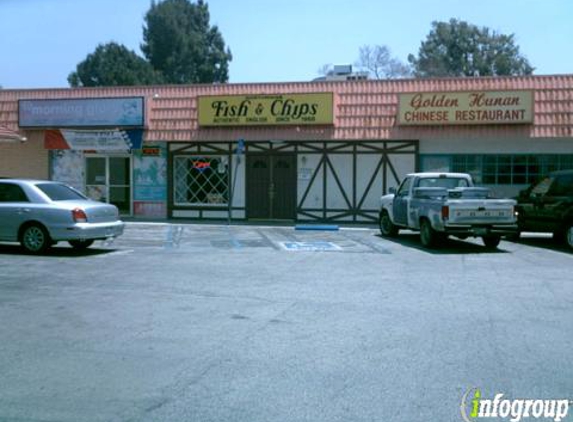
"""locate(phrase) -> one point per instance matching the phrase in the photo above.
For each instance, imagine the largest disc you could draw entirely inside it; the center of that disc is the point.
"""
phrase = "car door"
(400, 203)
(554, 205)
(13, 210)
(532, 215)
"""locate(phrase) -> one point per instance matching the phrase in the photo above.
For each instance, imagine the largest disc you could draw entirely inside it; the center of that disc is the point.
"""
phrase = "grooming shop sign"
(466, 108)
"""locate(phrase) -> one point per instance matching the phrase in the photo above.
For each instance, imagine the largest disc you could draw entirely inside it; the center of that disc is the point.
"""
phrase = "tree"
(325, 69)
(380, 64)
(457, 48)
(113, 65)
(179, 42)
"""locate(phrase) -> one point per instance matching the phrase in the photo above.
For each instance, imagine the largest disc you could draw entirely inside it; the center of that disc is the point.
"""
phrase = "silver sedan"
(38, 214)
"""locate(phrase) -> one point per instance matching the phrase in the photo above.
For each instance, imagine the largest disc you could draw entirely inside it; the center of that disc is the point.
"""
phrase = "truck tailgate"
(481, 211)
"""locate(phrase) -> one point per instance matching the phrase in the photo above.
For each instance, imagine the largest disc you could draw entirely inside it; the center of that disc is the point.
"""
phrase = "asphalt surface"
(251, 324)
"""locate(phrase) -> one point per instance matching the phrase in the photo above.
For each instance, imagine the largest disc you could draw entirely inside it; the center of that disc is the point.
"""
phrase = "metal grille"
(201, 180)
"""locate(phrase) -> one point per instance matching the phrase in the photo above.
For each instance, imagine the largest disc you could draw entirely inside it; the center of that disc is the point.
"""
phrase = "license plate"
(468, 213)
(480, 231)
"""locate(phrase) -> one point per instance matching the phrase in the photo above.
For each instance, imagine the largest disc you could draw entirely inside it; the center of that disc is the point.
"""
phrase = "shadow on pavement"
(54, 252)
(450, 246)
(549, 243)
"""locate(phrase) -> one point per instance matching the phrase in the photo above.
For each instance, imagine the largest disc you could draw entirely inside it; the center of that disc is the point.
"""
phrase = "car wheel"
(80, 244)
(491, 242)
(35, 239)
(428, 235)
(387, 228)
(569, 236)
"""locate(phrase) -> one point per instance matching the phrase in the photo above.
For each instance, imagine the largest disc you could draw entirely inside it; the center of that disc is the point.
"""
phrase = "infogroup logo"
(475, 407)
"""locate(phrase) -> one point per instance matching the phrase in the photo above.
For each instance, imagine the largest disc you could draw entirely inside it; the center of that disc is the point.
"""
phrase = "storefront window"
(523, 169)
(471, 164)
(492, 169)
(201, 180)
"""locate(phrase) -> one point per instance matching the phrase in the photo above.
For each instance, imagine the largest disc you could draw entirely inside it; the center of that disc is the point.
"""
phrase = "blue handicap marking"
(311, 246)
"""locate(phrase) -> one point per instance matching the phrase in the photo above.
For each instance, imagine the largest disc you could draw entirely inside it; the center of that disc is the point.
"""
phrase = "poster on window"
(150, 173)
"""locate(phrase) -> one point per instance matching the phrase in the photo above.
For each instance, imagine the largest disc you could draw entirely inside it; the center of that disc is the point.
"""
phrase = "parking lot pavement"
(191, 236)
(192, 322)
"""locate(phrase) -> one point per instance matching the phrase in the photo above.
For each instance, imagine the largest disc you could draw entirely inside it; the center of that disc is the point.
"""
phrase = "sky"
(42, 41)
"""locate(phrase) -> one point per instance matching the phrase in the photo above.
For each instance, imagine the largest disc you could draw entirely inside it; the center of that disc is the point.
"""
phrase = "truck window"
(542, 187)
(562, 186)
(404, 187)
(443, 182)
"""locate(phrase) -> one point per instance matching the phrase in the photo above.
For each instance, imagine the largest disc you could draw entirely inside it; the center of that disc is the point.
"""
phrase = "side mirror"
(392, 190)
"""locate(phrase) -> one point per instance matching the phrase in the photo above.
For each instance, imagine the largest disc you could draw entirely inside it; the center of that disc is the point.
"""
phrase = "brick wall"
(25, 159)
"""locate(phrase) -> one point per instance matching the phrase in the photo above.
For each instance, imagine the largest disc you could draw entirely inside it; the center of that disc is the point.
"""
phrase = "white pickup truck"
(442, 204)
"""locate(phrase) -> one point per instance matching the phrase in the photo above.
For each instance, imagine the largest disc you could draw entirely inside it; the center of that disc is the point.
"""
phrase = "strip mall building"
(316, 151)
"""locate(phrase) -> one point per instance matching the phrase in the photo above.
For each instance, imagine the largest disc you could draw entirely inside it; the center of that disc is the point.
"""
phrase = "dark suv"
(547, 206)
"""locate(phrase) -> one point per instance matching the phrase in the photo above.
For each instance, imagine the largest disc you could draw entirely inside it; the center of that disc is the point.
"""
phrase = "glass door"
(108, 179)
(119, 183)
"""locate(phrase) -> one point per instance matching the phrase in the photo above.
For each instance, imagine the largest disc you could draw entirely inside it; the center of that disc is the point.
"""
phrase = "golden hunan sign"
(250, 110)
(466, 108)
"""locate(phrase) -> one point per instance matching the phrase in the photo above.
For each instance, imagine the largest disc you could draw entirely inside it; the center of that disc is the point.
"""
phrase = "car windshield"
(443, 182)
(59, 192)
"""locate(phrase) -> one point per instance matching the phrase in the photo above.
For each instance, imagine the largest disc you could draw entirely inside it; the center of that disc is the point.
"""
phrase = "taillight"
(445, 212)
(79, 215)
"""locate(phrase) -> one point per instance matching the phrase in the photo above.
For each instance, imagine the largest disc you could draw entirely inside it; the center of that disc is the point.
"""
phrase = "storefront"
(317, 151)
(91, 142)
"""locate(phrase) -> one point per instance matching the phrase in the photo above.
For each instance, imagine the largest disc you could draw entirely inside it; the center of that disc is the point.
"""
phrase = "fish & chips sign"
(257, 110)
(466, 108)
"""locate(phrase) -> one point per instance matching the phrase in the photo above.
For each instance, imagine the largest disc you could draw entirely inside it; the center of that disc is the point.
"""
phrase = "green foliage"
(180, 45)
(456, 48)
(179, 42)
(113, 65)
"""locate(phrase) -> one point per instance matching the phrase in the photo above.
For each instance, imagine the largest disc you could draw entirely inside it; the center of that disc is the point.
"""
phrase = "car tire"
(428, 235)
(80, 244)
(491, 242)
(387, 228)
(35, 238)
(569, 236)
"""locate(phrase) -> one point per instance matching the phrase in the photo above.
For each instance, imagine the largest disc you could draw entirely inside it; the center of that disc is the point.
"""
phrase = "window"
(542, 187)
(201, 180)
(404, 187)
(58, 192)
(562, 186)
(10, 192)
(522, 169)
(470, 164)
(443, 182)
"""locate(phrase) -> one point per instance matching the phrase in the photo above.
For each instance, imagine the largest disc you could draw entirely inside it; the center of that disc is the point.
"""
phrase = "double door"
(271, 186)
(108, 179)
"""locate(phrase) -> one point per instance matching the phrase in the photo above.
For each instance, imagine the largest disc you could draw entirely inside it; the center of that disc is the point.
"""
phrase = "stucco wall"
(25, 159)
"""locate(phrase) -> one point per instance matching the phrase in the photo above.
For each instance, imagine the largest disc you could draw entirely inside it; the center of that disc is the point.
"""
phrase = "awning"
(7, 135)
(94, 140)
